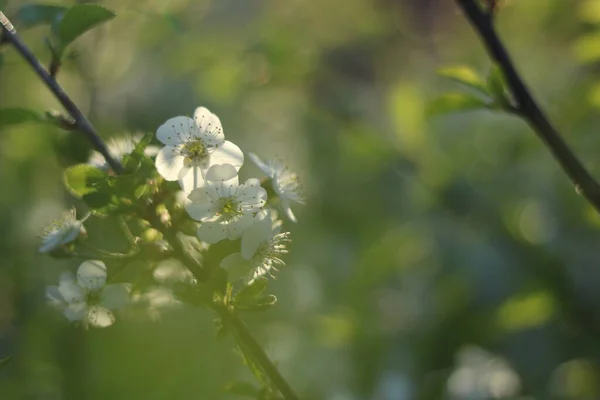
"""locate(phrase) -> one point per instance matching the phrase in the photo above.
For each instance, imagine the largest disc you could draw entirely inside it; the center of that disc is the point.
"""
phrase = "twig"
(9, 34)
(262, 358)
(584, 183)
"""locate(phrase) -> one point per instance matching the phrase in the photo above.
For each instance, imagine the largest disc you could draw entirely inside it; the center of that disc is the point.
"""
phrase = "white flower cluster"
(206, 165)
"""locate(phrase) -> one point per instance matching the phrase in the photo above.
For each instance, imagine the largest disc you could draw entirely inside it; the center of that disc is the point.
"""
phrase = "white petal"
(211, 232)
(208, 127)
(54, 297)
(91, 274)
(201, 210)
(287, 210)
(236, 266)
(75, 311)
(261, 231)
(191, 178)
(221, 172)
(169, 163)
(175, 131)
(252, 193)
(238, 226)
(228, 153)
(114, 296)
(100, 317)
(50, 243)
(69, 289)
(72, 233)
(266, 168)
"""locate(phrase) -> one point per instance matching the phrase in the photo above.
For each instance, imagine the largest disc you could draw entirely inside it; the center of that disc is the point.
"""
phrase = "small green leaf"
(260, 303)
(249, 292)
(465, 76)
(455, 102)
(243, 389)
(76, 21)
(4, 361)
(496, 85)
(10, 116)
(81, 179)
(31, 15)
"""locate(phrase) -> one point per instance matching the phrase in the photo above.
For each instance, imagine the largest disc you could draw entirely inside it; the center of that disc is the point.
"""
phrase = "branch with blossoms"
(171, 204)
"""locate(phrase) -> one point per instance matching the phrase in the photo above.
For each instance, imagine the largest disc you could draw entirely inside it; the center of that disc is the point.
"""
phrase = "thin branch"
(584, 183)
(262, 358)
(9, 35)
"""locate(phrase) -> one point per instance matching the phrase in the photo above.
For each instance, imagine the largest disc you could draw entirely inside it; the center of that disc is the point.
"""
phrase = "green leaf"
(97, 200)
(10, 116)
(243, 389)
(76, 21)
(31, 15)
(260, 303)
(249, 292)
(465, 76)
(455, 102)
(81, 179)
(496, 85)
(4, 361)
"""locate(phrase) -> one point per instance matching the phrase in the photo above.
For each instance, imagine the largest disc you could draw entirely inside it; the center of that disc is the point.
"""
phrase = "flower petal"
(114, 296)
(264, 167)
(99, 317)
(211, 232)
(69, 289)
(192, 178)
(287, 210)
(75, 311)
(228, 153)
(208, 127)
(175, 131)
(202, 208)
(238, 226)
(91, 274)
(237, 267)
(169, 163)
(221, 172)
(252, 193)
(261, 231)
(49, 243)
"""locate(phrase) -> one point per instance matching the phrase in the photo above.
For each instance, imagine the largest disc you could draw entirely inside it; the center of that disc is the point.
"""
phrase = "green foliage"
(83, 179)
(465, 76)
(76, 21)
(31, 15)
(496, 85)
(454, 102)
(10, 116)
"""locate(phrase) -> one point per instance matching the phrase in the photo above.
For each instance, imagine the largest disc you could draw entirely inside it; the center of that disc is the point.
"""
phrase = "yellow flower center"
(194, 150)
(229, 208)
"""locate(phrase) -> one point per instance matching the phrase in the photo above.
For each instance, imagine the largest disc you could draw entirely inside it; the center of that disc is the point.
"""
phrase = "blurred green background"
(436, 258)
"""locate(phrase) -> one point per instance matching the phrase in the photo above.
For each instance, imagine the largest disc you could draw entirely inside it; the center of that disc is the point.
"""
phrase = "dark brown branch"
(9, 35)
(584, 183)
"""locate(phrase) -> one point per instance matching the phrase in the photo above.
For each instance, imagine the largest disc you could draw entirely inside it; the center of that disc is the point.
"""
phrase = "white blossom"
(87, 298)
(285, 183)
(118, 148)
(225, 207)
(192, 146)
(61, 231)
(262, 247)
